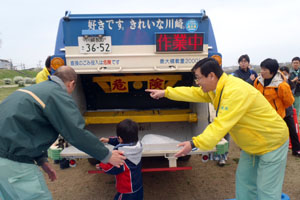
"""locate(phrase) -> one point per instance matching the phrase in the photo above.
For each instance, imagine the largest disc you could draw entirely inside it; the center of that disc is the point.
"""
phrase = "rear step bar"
(145, 116)
(170, 169)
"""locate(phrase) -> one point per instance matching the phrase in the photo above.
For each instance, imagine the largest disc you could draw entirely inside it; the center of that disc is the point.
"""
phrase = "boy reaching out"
(129, 183)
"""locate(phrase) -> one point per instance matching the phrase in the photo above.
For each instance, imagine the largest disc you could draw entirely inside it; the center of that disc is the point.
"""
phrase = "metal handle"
(171, 68)
(106, 69)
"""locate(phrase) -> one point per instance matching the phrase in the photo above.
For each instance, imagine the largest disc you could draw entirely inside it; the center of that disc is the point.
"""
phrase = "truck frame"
(118, 56)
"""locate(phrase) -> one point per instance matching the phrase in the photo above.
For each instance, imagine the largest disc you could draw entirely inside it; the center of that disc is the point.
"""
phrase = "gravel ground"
(205, 181)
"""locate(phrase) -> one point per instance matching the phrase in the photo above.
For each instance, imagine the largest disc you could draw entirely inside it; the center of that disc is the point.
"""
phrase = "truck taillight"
(205, 158)
(57, 62)
(218, 58)
(72, 163)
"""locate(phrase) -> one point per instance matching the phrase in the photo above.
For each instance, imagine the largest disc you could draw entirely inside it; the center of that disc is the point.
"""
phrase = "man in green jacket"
(295, 79)
(30, 121)
(251, 121)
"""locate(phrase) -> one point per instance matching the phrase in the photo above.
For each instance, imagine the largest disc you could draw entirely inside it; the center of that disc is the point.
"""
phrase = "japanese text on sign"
(136, 24)
(94, 62)
(119, 85)
(179, 42)
(156, 83)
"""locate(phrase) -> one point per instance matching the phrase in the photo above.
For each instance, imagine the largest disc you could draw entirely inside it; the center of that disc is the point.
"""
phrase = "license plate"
(95, 44)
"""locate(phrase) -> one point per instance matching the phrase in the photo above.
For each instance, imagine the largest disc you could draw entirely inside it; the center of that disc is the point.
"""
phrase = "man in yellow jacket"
(43, 75)
(251, 121)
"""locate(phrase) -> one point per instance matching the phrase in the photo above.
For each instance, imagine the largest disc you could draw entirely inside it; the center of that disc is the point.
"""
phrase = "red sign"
(119, 85)
(179, 42)
(156, 84)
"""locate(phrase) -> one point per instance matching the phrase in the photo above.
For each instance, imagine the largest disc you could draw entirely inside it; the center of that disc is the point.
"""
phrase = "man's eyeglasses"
(197, 79)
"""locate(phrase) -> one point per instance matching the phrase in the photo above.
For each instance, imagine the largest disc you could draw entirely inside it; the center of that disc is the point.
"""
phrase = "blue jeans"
(261, 177)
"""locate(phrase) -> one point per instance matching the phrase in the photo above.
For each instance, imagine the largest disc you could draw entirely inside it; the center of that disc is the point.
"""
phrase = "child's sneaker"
(221, 163)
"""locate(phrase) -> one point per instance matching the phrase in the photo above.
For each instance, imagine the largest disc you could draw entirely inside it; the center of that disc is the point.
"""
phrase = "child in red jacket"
(129, 181)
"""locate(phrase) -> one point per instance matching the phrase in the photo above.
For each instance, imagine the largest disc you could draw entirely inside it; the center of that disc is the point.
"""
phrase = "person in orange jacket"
(271, 83)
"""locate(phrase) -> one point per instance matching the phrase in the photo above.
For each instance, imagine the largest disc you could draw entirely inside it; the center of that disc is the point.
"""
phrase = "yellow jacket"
(42, 75)
(243, 112)
(278, 93)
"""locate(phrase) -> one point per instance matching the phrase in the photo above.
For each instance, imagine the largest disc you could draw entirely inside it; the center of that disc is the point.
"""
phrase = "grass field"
(4, 92)
(5, 73)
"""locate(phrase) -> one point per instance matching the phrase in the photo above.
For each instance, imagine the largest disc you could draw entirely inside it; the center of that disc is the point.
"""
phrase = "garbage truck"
(118, 56)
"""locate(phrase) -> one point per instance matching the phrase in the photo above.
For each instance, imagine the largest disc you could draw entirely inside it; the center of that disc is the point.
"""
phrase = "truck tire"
(93, 161)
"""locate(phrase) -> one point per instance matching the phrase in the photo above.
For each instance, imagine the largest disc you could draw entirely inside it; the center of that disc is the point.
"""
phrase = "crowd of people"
(279, 86)
(255, 110)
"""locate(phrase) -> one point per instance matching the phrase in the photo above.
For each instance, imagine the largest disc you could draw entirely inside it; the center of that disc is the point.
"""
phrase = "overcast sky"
(259, 28)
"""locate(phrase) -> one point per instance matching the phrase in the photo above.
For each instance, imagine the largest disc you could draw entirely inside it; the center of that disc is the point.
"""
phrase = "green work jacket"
(32, 118)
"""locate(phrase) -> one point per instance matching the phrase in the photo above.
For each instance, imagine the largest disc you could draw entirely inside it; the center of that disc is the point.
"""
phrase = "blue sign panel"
(133, 30)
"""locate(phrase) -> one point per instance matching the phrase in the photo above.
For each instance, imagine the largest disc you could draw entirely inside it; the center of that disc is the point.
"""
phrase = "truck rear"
(118, 56)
